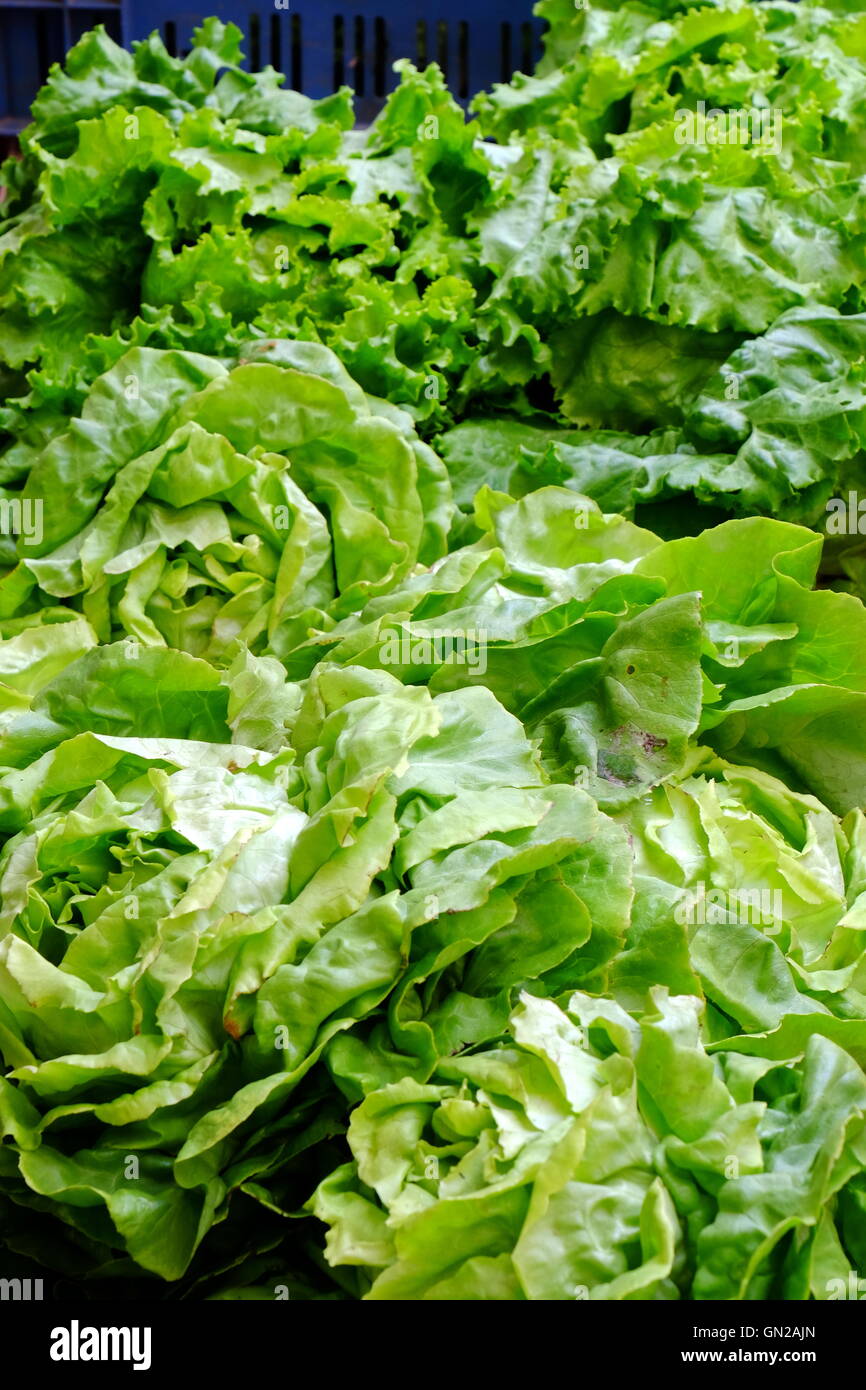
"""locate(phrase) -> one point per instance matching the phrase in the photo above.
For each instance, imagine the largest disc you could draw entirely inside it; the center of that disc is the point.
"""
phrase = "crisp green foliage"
(432, 724)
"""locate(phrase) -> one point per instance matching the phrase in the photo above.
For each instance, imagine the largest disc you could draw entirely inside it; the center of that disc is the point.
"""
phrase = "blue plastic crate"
(33, 35)
(318, 44)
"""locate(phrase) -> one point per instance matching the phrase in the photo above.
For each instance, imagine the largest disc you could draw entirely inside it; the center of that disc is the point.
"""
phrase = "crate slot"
(339, 50)
(254, 40)
(359, 66)
(462, 82)
(297, 73)
(442, 45)
(380, 61)
(43, 44)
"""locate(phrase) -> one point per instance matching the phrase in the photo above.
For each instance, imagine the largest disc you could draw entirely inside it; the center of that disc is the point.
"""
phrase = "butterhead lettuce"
(433, 672)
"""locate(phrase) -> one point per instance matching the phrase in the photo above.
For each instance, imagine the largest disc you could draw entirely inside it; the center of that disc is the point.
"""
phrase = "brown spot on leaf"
(651, 743)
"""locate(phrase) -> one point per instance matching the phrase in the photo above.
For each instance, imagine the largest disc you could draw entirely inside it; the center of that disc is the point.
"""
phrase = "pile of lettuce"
(432, 718)
(595, 283)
